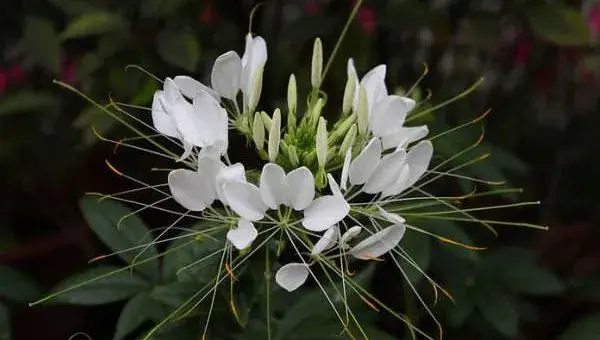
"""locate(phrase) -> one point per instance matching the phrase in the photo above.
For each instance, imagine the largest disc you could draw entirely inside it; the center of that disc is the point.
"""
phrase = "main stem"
(268, 285)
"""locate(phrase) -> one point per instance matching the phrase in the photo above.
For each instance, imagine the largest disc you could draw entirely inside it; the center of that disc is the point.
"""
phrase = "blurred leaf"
(87, 65)
(74, 7)
(92, 24)
(146, 92)
(180, 49)
(16, 286)
(5, 328)
(480, 31)
(25, 101)
(113, 287)
(92, 117)
(418, 247)
(137, 310)
(42, 43)
(559, 24)
(103, 217)
(459, 312)
(160, 8)
(499, 310)
(174, 293)
(592, 62)
(588, 288)
(586, 328)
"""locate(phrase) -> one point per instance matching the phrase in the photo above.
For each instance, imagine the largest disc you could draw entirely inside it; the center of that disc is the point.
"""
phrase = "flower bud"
(292, 95)
(317, 64)
(256, 89)
(316, 111)
(293, 156)
(341, 129)
(258, 131)
(348, 140)
(349, 94)
(321, 179)
(266, 120)
(363, 111)
(321, 142)
(274, 136)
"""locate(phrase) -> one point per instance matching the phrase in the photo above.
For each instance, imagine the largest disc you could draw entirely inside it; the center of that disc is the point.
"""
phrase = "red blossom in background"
(16, 74)
(594, 19)
(366, 18)
(68, 71)
(311, 7)
(522, 52)
(208, 16)
(3, 81)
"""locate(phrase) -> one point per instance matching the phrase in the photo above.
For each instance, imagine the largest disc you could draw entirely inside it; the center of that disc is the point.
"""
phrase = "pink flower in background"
(311, 7)
(16, 74)
(594, 19)
(208, 16)
(522, 53)
(3, 81)
(68, 71)
(366, 18)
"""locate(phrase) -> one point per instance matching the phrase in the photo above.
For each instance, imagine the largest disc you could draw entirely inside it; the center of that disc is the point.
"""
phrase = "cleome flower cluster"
(326, 186)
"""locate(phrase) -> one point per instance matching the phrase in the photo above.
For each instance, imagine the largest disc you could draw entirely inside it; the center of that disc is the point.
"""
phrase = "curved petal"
(349, 235)
(291, 276)
(379, 243)
(389, 113)
(351, 70)
(333, 186)
(327, 241)
(346, 169)
(418, 159)
(374, 83)
(206, 124)
(160, 119)
(210, 167)
(391, 217)
(301, 186)
(324, 212)
(404, 136)
(273, 185)
(399, 185)
(191, 189)
(234, 173)
(242, 236)
(256, 57)
(387, 172)
(226, 74)
(190, 87)
(365, 163)
(244, 198)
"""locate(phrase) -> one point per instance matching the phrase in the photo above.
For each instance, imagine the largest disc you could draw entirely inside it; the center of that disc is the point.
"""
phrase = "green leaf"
(42, 43)
(26, 101)
(5, 327)
(480, 31)
(559, 24)
(137, 310)
(74, 7)
(500, 311)
(418, 247)
(160, 8)
(114, 287)
(174, 293)
(586, 328)
(192, 259)
(179, 49)
(592, 62)
(16, 286)
(103, 217)
(92, 24)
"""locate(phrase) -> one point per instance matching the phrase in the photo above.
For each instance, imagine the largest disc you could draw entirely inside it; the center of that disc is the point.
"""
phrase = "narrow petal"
(324, 212)
(191, 189)
(349, 235)
(244, 198)
(379, 243)
(346, 169)
(391, 217)
(256, 58)
(160, 119)
(333, 186)
(418, 158)
(404, 136)
(211, 167)
(327, 241)
(273, 185)
(233, 173)
(351, 70)
(301, 186)
(387, 172)
(399, 185)
(190, 87)
(205, 123)
(374, 83)
(365, 163)
(242, 236)
(226, 74)
(291, 276)
(389, 113)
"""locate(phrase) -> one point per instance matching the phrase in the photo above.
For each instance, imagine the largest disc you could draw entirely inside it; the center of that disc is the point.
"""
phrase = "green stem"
(268, 285)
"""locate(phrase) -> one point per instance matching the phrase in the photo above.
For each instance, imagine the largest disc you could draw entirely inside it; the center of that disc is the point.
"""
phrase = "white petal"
(191, 87)
(351, 70)
(387, 172)
(391, 217)
(374, 83)
(210, 167)
(333, 186)
(301, 186)
(379, 243)
(291, 276)
(349, 235)
(324, 212)
(256, 58)
(404, 136)
(247, 48)
(400, 185)
(242, 236)
(388, 114)
(187, 150)
(418, 159)
(160, 119)
(226, 74)
(346, 169)
(235, 173)
(191, 189)
(206, 124)
(273, 185)
(365, 163)
(244, 198)
(327, 241)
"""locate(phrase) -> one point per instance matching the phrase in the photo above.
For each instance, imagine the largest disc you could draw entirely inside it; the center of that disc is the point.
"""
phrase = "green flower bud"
(274, 136)
(256, 90)
(293, 156)
(316, 111)
(317, 64)
(266, 120)
(292, 95)
(341, 129)
(363, 111)
(321, 179)
(321, 142)
(349, 94)
(258, 131)
(348, 140)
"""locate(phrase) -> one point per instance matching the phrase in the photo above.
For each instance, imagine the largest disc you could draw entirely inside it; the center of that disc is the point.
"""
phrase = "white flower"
(387, 122)
(292, 275)
(327, 241)
(379, 243)
(373, 82)
(202, 123)
(326, 210)
(417, 163)
(242, 236)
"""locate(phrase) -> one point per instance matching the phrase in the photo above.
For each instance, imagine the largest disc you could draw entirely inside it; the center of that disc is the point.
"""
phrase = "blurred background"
(541, 65)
